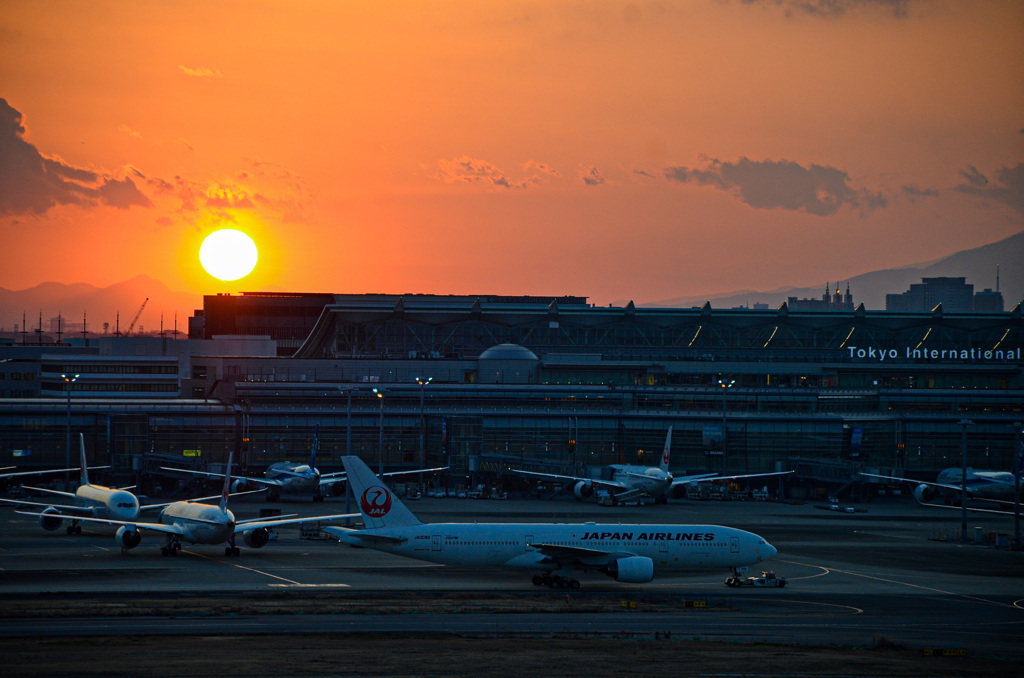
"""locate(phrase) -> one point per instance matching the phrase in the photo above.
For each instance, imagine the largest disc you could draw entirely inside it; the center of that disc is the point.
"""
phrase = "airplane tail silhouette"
(380, 508)
(226, 491)
(83, 477)
(312, 451)
(666, 451)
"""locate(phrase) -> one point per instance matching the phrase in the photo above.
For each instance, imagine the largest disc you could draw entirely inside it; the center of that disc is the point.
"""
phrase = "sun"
(228, 254)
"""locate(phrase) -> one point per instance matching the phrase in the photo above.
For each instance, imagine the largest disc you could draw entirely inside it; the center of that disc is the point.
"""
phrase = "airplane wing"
(212, 497)
(578, 555)
(743, 475)
(63, 508)
(254, 523)
(209, 474)
(944, 486)
(572, 479)
(154, 527)
(49, 491)
(55, 470)
(361, 537)
(340, 475)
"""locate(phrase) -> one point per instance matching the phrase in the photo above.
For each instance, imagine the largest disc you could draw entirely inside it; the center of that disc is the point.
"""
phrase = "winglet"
(667, 450)
(380, 508)
(226, 492)
(84, 476)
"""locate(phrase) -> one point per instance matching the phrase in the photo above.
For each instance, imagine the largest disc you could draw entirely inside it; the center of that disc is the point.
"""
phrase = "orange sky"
(616, 150)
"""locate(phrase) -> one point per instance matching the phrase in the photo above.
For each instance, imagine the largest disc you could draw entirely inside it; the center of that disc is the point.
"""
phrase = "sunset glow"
(615, 150)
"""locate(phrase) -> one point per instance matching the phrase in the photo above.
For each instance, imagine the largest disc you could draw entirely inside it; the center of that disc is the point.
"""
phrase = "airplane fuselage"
(649, 479)
(294, 479)
(981, 484)
(106, 502)
(670, 547)
(200, 523)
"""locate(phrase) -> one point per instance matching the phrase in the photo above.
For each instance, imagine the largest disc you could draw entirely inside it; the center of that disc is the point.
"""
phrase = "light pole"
(964, 423)
(726, 385)
(423, 452)
(68, 380)
(380, 440)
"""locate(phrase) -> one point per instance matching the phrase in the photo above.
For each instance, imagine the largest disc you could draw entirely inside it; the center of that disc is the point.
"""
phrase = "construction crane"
(131, 326)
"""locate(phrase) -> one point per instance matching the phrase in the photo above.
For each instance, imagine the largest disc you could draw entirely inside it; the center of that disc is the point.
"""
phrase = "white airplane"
(292, 479)
(631, 482)
(627, 553)
(994, 486)
(90, 500)
(198, 523)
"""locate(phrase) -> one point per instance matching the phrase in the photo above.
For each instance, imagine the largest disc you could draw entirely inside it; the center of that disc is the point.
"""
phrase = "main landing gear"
(171, 549)
(555, 581)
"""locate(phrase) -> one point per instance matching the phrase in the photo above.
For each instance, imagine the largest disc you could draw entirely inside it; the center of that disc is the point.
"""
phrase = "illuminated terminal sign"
(960, 355)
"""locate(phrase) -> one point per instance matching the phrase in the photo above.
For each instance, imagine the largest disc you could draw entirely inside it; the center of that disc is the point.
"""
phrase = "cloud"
(474, 171)
(590, 175)
(783, 184)
(1007, 187)
(835, 8)
(33, 183)
(202, 72)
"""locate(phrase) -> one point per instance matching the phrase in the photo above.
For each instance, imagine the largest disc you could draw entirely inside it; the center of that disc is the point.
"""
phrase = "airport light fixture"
(379, 392)
(68, 380)
(726, 384)
(423, 381)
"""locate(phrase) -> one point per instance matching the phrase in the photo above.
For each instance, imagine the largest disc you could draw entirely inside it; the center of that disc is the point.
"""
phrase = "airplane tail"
(665, 452)
(380, 508)
(312, 451)
(83, 478)
(226, 491)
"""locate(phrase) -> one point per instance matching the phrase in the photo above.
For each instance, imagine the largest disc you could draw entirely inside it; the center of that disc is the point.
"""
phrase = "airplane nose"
(768, 551)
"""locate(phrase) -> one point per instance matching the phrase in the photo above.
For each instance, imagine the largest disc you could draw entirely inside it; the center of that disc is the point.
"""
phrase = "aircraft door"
(435, 542)
(527, 540)
(734, 544)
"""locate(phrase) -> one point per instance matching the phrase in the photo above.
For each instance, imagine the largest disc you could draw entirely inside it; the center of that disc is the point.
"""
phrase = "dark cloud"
(475, 171)
(1007, 187)
(590, 175)
(914, 192)
(835, 8)
(33, 183)
(770, 184)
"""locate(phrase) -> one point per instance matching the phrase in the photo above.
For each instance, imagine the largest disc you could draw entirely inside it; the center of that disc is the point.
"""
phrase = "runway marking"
(288, 582)
(909, 585)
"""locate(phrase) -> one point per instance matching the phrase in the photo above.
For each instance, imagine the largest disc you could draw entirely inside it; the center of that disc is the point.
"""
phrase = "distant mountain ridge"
(977, 265)
(99, 305)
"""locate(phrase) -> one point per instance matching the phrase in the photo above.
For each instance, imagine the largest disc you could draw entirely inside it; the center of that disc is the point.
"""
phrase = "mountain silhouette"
(977, 265)
(115, 305)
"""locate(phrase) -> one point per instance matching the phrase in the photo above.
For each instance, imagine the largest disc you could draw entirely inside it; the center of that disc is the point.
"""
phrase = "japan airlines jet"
(198, 523)
(631, 482)
(994, 486)
(626, 553)
(90, 500)
(292, 479)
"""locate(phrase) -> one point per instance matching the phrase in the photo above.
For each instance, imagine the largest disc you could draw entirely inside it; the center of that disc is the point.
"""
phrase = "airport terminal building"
(481, 383)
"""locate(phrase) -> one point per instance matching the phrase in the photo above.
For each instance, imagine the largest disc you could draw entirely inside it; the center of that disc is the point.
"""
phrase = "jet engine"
(51, 519)
(925, 494)
(677, 491)
(631, 570)
(239, 486)
(257, 538)
(337, 489)
(128, 536)
(583, 489)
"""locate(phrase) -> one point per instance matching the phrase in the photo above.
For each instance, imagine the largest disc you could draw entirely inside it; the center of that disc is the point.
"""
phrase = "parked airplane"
(198, 523)
(88, 500)
(292, 479)
(627, 553)
(994, 486)
(631, 482)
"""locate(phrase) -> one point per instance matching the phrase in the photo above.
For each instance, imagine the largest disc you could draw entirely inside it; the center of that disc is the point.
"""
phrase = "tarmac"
(889, 571)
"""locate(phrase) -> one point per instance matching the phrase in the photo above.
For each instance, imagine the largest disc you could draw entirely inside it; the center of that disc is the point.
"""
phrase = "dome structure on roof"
(508, 364)
(508, 352)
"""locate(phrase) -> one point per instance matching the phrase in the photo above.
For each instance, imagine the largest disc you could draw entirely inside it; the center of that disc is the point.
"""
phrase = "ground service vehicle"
(766, 580)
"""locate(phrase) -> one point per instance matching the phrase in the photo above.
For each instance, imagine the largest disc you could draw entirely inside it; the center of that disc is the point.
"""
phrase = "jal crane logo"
(375, 502)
